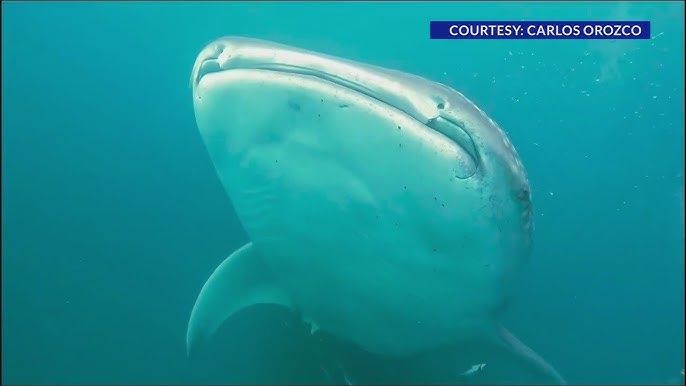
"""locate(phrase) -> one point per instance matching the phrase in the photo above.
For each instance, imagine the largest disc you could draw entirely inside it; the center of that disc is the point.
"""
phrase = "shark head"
(387, 209)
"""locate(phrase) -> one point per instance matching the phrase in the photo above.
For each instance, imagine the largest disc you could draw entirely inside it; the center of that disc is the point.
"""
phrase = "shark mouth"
(385, 89)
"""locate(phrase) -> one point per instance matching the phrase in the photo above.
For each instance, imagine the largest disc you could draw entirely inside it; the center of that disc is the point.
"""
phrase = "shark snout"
(209, 60)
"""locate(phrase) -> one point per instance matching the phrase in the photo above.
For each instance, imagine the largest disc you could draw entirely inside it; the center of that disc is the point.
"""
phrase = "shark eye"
(524, 195)
(440, 106)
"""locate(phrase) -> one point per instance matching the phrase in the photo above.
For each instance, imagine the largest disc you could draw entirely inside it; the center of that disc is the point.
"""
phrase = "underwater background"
(113, 217)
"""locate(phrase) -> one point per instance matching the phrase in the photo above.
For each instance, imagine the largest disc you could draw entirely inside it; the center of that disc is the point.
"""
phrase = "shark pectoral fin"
(238, 282)
(537, 369)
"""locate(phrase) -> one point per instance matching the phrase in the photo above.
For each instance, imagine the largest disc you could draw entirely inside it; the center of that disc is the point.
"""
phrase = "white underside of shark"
(386, 209)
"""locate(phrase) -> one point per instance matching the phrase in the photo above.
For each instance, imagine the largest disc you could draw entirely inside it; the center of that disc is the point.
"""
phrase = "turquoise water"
(113, 217)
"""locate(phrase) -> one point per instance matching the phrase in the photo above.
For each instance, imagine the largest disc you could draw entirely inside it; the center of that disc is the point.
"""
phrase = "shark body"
(386, 209)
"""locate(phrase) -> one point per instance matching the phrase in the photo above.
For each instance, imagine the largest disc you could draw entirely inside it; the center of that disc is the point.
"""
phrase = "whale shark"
(386, 209)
